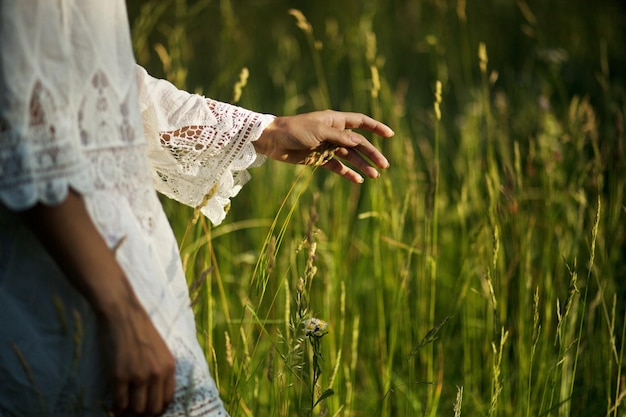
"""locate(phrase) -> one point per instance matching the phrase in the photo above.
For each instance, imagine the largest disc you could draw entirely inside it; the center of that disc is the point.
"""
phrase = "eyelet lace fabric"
(214, 138)
(76, 112)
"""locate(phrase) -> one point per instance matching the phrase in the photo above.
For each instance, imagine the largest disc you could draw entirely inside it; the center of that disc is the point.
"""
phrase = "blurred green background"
(491, 255)
(567, 43)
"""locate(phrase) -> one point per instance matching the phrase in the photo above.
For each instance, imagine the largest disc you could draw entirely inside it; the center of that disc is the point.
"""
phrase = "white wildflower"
(315, 327)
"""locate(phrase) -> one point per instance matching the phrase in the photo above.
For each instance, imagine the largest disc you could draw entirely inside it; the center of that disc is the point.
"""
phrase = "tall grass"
(482, 274)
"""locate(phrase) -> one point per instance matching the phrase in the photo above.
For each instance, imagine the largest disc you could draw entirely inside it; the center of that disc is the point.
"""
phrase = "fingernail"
(360, 179)
(355, 139)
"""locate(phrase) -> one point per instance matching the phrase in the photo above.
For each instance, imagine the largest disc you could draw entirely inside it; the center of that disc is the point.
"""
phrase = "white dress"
(76, 111)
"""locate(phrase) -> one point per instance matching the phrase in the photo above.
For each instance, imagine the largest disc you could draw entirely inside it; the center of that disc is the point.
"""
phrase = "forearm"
(141, 365)
(71, 238)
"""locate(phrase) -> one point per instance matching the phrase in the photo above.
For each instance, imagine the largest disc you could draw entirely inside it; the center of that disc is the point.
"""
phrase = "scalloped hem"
(51, 193)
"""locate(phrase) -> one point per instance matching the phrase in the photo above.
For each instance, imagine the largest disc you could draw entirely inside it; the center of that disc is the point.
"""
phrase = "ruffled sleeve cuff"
(199, 148)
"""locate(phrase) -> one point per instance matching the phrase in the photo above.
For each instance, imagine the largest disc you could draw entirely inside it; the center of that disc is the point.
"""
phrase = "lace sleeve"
(40, 155)
(199, 148)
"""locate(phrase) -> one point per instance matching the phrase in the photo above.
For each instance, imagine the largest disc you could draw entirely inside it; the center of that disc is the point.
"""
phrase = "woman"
(93, 300)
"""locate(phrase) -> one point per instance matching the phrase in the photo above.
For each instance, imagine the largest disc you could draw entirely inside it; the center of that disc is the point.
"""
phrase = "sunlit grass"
(480, 275)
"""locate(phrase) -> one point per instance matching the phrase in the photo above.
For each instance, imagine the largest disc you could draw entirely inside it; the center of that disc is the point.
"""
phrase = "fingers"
(350, 120)
(314, 138)
(154, 403)
(349, 139)
(164, 391)
(357, 161)
(139, 397)
(169, 387)
(143, 399)
(339, 133)
(372, 153)
(340, 169)
(120, 396)
(147, 388)
(355, 150)
(132, 399)
(354, 147)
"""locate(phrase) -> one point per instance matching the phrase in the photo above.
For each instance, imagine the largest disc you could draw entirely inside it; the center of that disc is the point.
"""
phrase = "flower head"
(315, 327)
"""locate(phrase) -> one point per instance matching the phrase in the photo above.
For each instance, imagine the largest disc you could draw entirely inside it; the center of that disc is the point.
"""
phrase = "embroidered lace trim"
(56, 150)
(200, 161)
(196, 394)
(205, 145)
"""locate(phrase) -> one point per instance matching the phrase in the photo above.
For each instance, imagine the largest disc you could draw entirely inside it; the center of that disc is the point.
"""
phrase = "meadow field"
(483, 274)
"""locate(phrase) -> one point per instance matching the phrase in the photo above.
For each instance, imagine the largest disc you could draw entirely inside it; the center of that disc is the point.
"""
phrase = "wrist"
(71, 238)
(265, 142)
(109, 294)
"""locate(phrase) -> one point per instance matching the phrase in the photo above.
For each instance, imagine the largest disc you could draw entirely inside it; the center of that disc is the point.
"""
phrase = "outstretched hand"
(294, 139)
